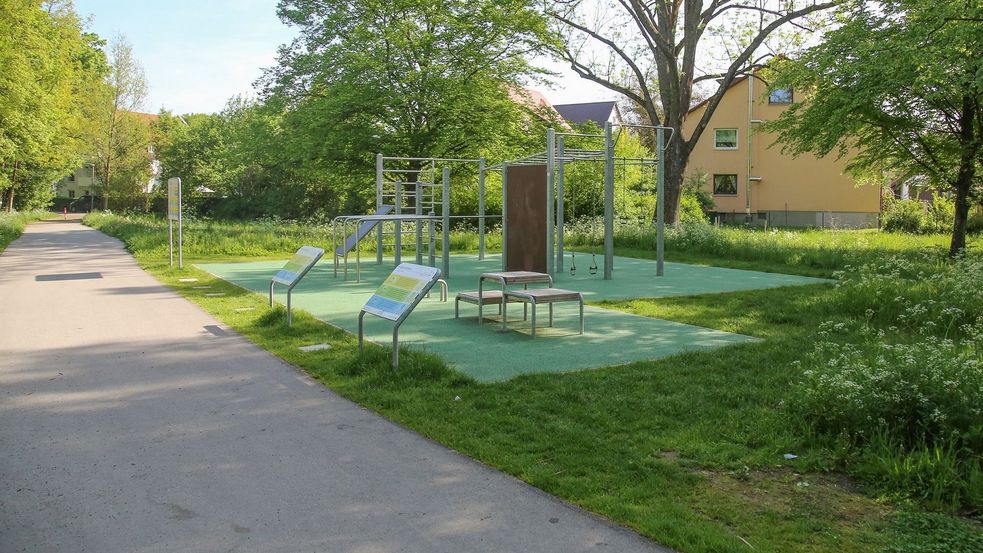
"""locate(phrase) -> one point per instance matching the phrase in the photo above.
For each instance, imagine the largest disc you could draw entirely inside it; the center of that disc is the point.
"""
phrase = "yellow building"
(751, 180)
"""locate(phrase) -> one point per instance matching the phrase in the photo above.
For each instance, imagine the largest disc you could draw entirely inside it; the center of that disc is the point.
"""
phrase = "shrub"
(975, 223)
(691, 211)
(941, 215)
(905, 216)
(917, 217)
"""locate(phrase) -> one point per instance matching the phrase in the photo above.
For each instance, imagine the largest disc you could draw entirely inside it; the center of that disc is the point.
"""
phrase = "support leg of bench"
(551, 314)
(581, 313)
(533, 318)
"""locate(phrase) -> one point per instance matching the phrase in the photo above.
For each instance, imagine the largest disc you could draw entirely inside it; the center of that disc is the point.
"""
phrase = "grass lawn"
(688, 450)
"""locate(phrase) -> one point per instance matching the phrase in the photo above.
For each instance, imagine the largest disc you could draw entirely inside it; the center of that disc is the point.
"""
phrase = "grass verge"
(13, 224)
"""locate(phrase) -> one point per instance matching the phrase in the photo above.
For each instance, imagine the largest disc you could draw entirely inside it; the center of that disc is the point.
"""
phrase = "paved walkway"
(127, 426)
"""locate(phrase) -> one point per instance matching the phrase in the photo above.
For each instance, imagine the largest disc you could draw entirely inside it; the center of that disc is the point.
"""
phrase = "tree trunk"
(967, 172)
(105, 184)
(13, 185)
(677, 156)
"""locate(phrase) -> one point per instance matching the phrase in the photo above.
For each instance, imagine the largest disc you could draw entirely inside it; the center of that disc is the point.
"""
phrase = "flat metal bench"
(508, 278)
(542, 295)
(485, 297)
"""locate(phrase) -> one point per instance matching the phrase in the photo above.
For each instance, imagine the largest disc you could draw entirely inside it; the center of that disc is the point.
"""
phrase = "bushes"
(917, 217)
(899, 392)
(691, 210)
(975, 223)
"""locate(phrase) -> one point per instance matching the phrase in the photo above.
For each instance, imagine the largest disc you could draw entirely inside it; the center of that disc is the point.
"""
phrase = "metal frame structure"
(428, 203)
(555, 157)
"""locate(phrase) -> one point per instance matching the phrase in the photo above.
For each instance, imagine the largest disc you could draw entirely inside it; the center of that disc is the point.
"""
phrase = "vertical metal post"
(431, 243)
(481, 208)
(361, 330)
(180, 238)
(378, 206)
(445, 212)
(608, 202)
(559, 204)
(418, 199)
(550, 195)
(660, 205)
(170, 241)
(180, 224)
(750, 165)
(505, 213)
(397, 224)
(396, 348)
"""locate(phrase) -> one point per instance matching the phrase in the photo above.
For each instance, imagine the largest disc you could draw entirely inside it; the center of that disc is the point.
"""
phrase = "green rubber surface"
(489, 353)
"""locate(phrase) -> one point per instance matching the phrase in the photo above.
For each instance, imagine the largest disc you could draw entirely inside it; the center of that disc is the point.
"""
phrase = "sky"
(198, 54)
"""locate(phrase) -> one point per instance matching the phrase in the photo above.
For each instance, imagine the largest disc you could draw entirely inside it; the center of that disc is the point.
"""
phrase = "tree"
(119, 138)
(901, 81)
(408, 78)
(656, 52)
(48, 65)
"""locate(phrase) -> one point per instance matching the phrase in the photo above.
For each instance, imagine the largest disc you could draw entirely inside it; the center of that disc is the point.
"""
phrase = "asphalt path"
(132, 421)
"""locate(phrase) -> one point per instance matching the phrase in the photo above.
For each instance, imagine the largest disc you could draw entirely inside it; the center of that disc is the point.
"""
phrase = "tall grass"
(895, 382)
(12, 224)
(827, 250)
(261, 238)
(821, 251)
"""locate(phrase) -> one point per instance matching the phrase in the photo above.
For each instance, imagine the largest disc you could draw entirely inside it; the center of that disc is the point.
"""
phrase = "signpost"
(295, 269)
(397, 296)
(174, 214)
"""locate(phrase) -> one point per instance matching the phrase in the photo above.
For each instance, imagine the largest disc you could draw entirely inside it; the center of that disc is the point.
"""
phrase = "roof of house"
(598, 112)
(145, 117)
(535, 100)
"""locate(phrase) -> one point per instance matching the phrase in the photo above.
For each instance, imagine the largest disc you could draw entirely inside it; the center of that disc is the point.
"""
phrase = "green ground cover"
(486, 353)
(687, 450)
(13, 224)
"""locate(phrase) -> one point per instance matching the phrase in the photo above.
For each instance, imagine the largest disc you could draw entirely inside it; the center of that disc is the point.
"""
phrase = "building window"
(780, 96)
(725, 139)
(71, 193)
(725, 185)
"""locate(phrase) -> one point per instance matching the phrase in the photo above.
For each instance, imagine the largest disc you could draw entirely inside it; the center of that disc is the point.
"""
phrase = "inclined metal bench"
(541, 295)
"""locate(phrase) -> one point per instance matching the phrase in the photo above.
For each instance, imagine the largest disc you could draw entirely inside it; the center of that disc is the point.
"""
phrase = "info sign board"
(401, 291)
(174, 199)
(295, 269)
(174, 214)
(299, 264)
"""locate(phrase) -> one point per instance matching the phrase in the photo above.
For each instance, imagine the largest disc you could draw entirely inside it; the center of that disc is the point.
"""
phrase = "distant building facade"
(752, 182)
